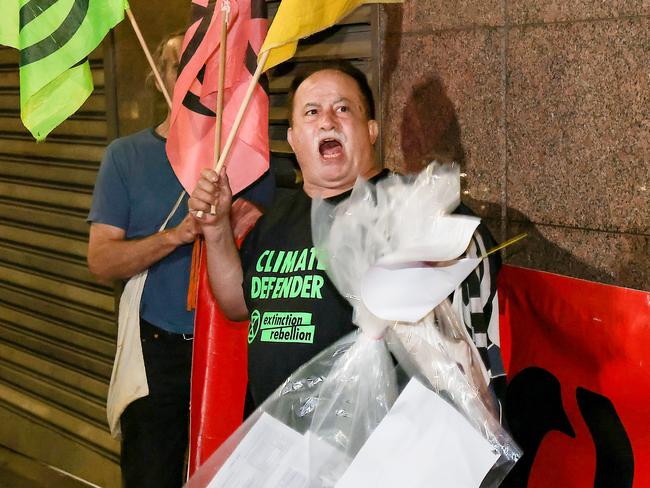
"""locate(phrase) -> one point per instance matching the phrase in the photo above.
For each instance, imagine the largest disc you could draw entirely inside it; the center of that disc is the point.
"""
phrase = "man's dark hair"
(344, 67)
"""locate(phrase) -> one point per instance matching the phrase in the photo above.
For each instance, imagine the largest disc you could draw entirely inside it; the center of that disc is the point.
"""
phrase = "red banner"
(219, 359)
(218, 376)
(577, 358)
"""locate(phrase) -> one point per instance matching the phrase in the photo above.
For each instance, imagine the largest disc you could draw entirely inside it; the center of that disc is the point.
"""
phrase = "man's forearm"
(120, 259)
(225, 271)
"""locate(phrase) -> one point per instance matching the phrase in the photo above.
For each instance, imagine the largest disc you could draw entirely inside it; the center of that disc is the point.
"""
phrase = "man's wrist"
(171, 237)
(220, 230)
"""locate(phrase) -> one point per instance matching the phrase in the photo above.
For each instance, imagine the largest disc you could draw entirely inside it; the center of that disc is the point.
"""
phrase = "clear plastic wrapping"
(371, 243)
(439, 348)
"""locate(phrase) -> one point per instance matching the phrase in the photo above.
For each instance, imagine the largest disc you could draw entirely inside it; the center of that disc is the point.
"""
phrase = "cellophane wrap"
(338, 398)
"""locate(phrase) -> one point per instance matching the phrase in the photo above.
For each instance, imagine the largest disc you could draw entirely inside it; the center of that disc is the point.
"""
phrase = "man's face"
(170, 57)
(331, 134)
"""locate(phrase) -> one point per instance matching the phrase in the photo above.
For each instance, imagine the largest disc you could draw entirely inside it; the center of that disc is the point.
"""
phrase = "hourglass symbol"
(254, 326)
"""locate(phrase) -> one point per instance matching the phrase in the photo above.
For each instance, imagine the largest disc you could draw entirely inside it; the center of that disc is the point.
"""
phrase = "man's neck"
(163, 129)
(314, 191)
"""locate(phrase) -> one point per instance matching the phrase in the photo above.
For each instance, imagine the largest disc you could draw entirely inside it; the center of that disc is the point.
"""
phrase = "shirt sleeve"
(110, 203)
(477, 302)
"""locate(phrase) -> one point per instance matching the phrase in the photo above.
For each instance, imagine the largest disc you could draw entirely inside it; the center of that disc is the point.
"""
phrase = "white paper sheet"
(407, 293)
(422, 443)
(273, 455)
(442, 239)
(265, 458)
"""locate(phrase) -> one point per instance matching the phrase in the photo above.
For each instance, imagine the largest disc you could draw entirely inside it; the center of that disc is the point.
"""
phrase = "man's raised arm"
(224, 265)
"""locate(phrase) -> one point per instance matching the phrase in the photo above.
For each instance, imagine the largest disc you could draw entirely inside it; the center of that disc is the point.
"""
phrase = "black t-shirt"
(295, 310)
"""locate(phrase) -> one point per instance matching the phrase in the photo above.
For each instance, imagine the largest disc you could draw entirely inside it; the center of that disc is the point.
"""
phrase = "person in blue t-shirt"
(135, 191)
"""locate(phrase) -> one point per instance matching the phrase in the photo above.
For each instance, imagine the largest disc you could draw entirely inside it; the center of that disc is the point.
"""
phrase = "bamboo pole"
(242, 111)
(505, 244)
(147, 54)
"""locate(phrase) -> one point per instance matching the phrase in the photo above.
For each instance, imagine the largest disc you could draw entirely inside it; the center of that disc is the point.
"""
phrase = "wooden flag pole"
(192, 291)
(242, 111)
(239, 117)
(143, 44)
(225, 14)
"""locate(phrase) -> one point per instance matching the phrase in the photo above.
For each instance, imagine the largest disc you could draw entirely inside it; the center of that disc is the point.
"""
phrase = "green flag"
(54, 38)
(9, 24)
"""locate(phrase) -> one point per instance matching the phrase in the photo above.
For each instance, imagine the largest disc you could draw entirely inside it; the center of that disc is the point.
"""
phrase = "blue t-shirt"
(136, 189)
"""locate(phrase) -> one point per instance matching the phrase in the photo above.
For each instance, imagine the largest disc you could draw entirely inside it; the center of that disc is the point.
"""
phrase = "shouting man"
(277, 276)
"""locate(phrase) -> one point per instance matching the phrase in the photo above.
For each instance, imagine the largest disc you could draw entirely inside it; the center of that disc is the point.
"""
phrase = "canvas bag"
(129, 378)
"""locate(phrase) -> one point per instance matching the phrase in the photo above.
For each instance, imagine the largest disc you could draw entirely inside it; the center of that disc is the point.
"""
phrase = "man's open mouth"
(330, 148)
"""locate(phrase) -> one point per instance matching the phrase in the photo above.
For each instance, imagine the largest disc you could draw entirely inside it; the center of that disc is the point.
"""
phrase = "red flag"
(190, 144)
(579, 384)
(219, 359)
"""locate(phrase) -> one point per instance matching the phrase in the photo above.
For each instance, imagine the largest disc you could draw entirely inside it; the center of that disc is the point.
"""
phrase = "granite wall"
(547, 106)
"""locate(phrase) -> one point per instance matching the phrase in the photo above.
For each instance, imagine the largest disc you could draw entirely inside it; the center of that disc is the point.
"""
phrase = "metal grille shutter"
(57, 330)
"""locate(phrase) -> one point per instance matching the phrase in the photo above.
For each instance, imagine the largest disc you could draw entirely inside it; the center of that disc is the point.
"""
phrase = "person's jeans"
(155, 428)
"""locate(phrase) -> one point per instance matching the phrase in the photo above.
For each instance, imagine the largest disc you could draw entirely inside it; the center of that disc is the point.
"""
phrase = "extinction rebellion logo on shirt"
(287, 276)
(281, 327)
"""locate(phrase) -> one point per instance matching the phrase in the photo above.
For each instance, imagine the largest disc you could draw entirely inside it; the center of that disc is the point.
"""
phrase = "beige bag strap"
(171, 214)
(129, 378)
